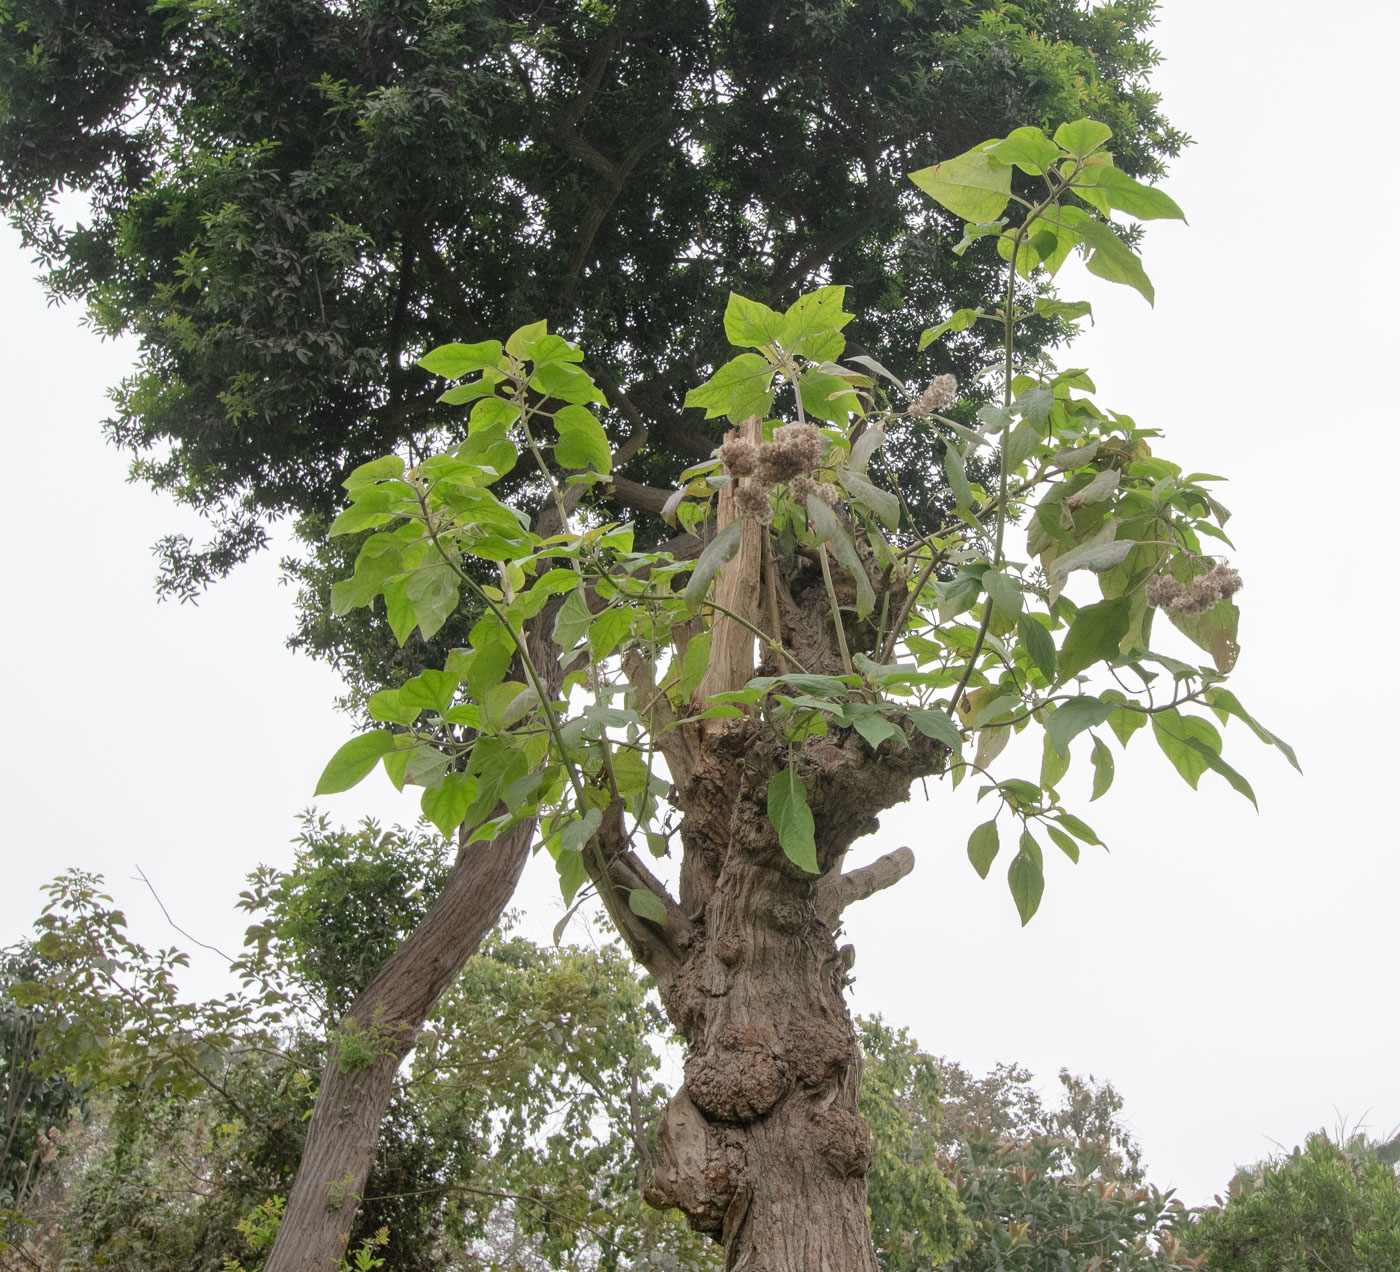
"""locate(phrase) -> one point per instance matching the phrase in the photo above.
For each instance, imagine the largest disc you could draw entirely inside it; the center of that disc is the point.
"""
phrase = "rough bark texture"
(763, 1146)
(343, 1133)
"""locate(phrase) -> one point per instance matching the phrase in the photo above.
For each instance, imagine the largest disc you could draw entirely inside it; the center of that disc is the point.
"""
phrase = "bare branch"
(856, 885)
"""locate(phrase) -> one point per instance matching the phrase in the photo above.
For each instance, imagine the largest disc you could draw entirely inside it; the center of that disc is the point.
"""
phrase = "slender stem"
(835, 609)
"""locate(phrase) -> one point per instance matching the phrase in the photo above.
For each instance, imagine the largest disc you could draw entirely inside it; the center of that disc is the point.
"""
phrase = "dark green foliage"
(292, 199)
(1325, 1206)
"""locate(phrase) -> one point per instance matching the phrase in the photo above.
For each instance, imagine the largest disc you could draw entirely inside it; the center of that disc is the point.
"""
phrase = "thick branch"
(844, 890)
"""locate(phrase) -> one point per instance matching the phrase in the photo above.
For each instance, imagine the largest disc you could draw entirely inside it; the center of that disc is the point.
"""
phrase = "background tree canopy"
(292, 199)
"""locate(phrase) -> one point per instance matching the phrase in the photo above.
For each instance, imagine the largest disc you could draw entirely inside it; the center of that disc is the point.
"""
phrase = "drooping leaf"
(1026, 878)
(743, 386)
(1004, 591)
(792, 819)
(718, 551)
(1071, 718)
(1175, 734)
(1078, 829)
(1064, 843)
(354, 761)
(982, 847)
(975, 185)
(846, 553)
(936, 725)
(1095, 635)
(1113, 259)
(957, 477)
(1218, 765)
(1040, 645)
(1102, 759)
(1222, 700)
(446, 805)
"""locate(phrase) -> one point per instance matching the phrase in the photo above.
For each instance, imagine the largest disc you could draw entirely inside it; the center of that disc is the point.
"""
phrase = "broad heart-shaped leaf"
(572, 621)
(381, 469)
(743, 386)
(1040, 645)
(1082, 137)
(1004, 591)
(452, 361)
(446, 805)
(1095, 635)
(812, 325)
(750, 323)
(960, 321)
(975, 185)
(1026, 879)
(1029, 149)
(354, 761)
(792, 819)
(719, 550)
(982, 847)
(1070, 309)
(1071, 718)
(582, 441)
(432, 592)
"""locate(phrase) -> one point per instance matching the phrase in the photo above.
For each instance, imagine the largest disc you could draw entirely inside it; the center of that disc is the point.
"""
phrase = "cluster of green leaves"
(1327, 1205)
(970, 645)
(489, 1139)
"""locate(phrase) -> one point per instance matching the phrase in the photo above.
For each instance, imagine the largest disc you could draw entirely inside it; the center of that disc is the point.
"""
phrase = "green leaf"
(974, 185)
(1029, 149)
(1225, 702)
(1120, 191)
(1004, 591)
(1125, 723)
(1094, 636)
(961, 320)
(719, 550)
(519, 340)
(1064, 843)
(820, 517)
(812, 324)
(1092, 556)
(1053, 764)
(1216, 631)
(1070, 309)
(1078, 828)
(644, 902)
(452, 361)
(792, 819)
(846, 553)
(572, 621)
(1217, 765)
(872, 726)
(1082, 137)
(582, 442)
(385, 468)
(750, 323)
(1071, 718)
(936, 725)
(580, 830)
(693, 665)
(1175, 734)
(1102, 759)
(432, 592)
(881, 502)
(1026, 878)
(957, 478)
(446, 805)
(354, 761)
(743, 386)
(1113, 259)
(982, 847)
(1020, 445)
(1040, 645)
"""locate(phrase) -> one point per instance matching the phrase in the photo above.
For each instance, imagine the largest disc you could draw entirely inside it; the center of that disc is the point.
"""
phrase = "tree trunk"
(343, 1133)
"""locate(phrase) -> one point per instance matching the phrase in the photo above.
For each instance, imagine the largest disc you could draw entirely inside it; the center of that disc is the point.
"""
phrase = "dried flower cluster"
(939, 396)
(791, 457)
(1172, 594)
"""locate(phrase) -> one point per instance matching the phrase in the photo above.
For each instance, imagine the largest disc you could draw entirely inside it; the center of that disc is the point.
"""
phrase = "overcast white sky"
(1232, 972)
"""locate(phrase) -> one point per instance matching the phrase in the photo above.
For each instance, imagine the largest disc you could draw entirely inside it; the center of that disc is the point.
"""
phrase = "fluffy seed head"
(739, 456)
(939, 396)
(752, 500)
(795, 450)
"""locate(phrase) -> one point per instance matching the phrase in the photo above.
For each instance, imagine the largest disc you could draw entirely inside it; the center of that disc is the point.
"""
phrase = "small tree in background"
(1327, 1205)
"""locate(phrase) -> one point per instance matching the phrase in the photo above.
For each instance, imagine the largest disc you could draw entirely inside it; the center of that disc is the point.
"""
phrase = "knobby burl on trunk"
(763, 1146)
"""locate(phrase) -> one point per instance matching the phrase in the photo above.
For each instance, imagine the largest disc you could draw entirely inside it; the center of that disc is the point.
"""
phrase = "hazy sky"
(1232, 972)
